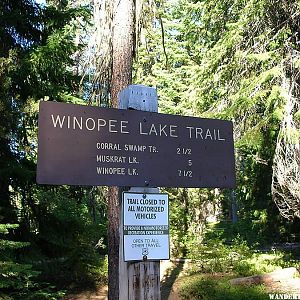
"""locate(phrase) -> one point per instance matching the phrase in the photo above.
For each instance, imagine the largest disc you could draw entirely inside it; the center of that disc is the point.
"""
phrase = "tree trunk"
(234, 216)
(122, 44)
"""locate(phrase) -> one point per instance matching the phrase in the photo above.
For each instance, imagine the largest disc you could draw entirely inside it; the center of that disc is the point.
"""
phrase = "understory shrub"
(199, 287)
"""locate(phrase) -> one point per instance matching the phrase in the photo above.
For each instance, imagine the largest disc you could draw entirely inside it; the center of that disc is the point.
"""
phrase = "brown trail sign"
(86, 145)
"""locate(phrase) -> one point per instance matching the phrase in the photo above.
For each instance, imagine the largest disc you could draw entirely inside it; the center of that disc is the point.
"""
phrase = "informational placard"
(145, 226)
(88, 145)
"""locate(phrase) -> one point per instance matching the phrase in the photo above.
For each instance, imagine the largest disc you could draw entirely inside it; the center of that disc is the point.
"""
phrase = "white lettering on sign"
(60, 121)
(117, 159)
(145, 129)
(86, 145)
(114, 161)
(111, 159)
(208, 134)
(158, 130)
(90, 124)
(110, 171)
(108, 146)
(136, 148)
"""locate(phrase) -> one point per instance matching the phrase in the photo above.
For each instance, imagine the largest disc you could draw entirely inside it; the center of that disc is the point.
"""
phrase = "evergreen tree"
(13, 275)
(233, 60)
(37, 58)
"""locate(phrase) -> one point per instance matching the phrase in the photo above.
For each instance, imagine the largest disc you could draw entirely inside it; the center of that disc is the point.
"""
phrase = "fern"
(13, 274)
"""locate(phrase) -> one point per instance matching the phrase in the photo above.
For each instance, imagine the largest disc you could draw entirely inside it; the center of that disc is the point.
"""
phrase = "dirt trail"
(99, 294)
(171, 270)
(289, 286)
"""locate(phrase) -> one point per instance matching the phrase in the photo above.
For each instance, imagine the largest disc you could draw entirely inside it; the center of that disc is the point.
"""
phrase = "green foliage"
(58, 228)
(230, 60)
(16, 276)
(50, 63)
(42, 293)
(199, 287)
(297, 116)
(70, 226)
(259, 263)
(216, 263)
(12, 273)
(253, 229)
(218, 252)
(215, 256)
(4, 228)
(225, 59)
(189, 210)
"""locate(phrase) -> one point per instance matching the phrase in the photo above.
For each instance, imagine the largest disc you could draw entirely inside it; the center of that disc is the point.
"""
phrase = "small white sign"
(145, 226)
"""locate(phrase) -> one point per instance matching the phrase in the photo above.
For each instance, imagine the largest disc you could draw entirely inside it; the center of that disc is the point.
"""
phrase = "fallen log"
(278, 275)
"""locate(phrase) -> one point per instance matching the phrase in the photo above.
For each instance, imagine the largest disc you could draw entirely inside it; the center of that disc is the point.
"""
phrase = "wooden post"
(138, 280)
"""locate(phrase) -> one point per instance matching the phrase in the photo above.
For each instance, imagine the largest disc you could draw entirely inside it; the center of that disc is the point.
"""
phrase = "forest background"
(229, 59)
